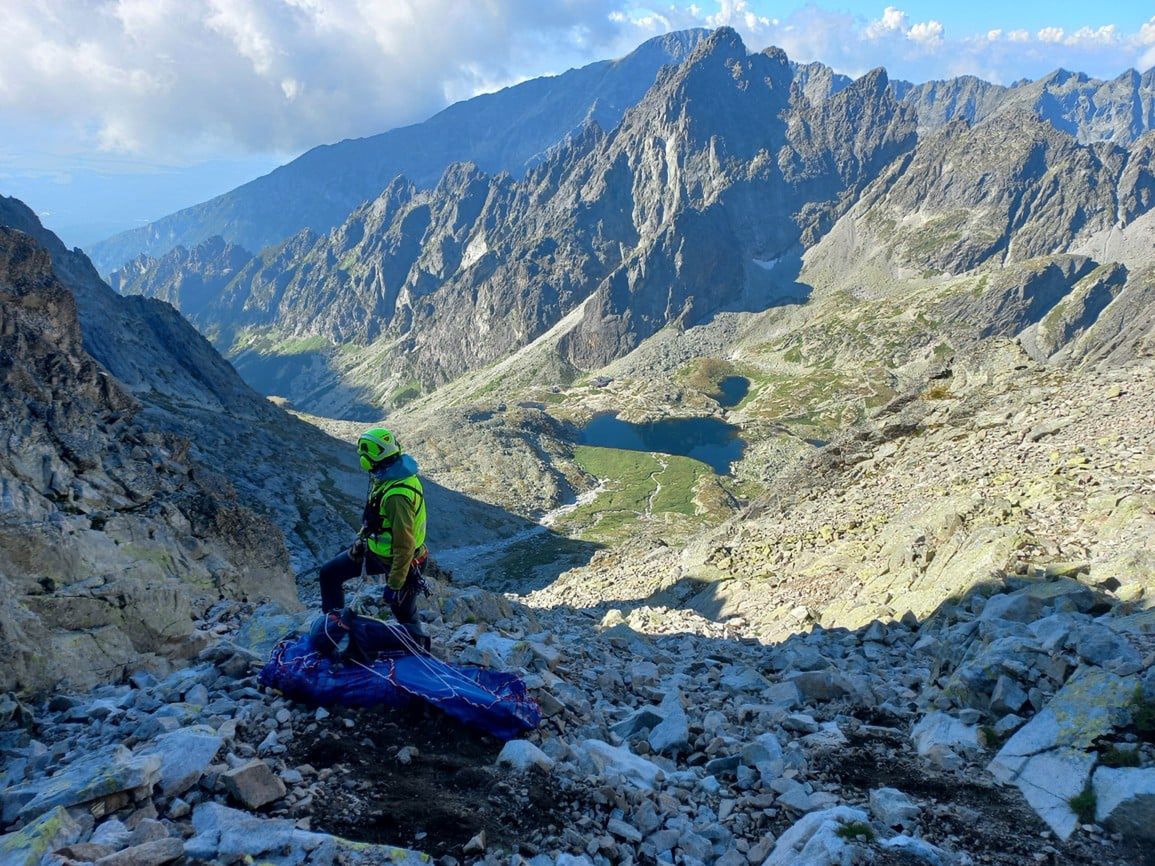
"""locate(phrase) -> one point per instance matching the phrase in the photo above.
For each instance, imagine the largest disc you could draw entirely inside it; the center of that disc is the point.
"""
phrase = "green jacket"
(395, 519)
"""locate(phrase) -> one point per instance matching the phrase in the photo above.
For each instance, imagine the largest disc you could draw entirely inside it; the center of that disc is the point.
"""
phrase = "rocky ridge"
(138, 480)
(506, 131)
(739, 183)
(112, 537)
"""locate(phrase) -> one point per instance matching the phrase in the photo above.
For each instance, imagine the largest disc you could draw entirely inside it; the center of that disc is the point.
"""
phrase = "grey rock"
(1125, 801)
(1048, 758)
(185, 754)
(253, 784)
(623, 830)
(610, 760)
(522, 755)
(29, 845)
(153, 853)
(918, 850)
(672, 735)
(1007, 697)
(643, 719)
(109, 771)
(894, 808)
(814, 839)
(938, 732)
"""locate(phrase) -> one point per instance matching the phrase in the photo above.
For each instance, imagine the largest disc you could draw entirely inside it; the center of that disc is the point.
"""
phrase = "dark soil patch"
(447, 793)
(990, 822)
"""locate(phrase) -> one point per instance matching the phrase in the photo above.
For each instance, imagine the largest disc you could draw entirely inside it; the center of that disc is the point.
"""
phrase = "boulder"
(109, 771)
(894, 808)
(611, 760)
(937, 733)
(814, 839)
(521, 755)
(1048, 758)
(185, 754)
(27, 846)
(672, 735)
(1125, 801)
(154, 853)
(253, 784)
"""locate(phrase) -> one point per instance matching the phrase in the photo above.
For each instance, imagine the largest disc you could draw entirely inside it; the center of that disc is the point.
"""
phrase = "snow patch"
(767, 264)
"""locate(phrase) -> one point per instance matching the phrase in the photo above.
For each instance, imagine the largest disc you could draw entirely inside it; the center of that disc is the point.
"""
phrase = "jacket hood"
(396, 470)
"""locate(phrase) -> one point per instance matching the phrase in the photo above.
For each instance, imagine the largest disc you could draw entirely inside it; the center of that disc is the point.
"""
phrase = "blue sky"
(115, 112)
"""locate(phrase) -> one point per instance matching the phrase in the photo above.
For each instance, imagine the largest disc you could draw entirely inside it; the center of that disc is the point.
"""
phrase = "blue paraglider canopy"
(382, 665)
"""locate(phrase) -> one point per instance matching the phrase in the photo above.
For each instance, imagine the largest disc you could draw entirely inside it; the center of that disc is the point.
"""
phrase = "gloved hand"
(358, 550)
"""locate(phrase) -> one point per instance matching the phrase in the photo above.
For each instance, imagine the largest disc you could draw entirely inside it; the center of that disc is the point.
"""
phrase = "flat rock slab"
(154, 853)
(611, 760)
(1048, 759)
(228, 835)
(107, 772)
(815, 839)
(185, 754)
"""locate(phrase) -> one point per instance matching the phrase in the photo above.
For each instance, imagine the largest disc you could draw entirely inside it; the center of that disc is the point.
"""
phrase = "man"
(392, 537)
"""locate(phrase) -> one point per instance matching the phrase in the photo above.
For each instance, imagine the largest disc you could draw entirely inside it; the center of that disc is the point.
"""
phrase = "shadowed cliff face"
(279, 466)
(111, 538)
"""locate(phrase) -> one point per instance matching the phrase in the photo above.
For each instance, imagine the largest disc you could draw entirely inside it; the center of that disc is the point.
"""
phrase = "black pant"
(341, 568)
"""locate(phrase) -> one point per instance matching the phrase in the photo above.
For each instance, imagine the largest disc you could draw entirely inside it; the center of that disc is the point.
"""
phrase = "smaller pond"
(714, 442)
(733, 390)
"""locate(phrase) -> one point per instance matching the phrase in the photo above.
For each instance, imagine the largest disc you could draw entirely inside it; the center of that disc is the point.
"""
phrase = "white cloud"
(174, 80)
(185, 79)
(927, 33)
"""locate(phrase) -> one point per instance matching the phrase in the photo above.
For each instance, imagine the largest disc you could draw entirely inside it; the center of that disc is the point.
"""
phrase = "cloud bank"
(185, 80)
(195, 77)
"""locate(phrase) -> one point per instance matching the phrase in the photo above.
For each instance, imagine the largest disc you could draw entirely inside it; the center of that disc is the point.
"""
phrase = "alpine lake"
(713, 441)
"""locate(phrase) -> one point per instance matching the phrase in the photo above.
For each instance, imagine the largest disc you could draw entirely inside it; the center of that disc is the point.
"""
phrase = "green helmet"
(376, 445)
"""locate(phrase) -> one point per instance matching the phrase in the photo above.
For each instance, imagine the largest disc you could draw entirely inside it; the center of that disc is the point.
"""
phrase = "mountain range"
(708, 195)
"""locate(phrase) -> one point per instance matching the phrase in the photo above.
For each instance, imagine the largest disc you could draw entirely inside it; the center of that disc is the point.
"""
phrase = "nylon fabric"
(492, 701)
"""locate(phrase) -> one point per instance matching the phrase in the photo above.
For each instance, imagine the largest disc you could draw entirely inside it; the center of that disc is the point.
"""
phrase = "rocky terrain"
(669, 737)
(137, 476)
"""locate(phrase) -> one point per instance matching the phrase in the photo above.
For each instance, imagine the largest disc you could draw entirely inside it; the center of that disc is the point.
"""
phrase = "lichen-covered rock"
(110, 771)
(29, 845)
(1049, 758)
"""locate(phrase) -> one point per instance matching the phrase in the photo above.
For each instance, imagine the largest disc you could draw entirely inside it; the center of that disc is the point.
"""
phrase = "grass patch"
(406, 394)
(1083, 805)
(1143, 711)
(991, 737)
(706, 375)
(631, 491)
(1115, 757)
(856, 830)
(679, 481)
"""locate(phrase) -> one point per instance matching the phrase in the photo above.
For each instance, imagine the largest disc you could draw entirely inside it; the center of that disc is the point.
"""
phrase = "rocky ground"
(930, 644)
(677, 741)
